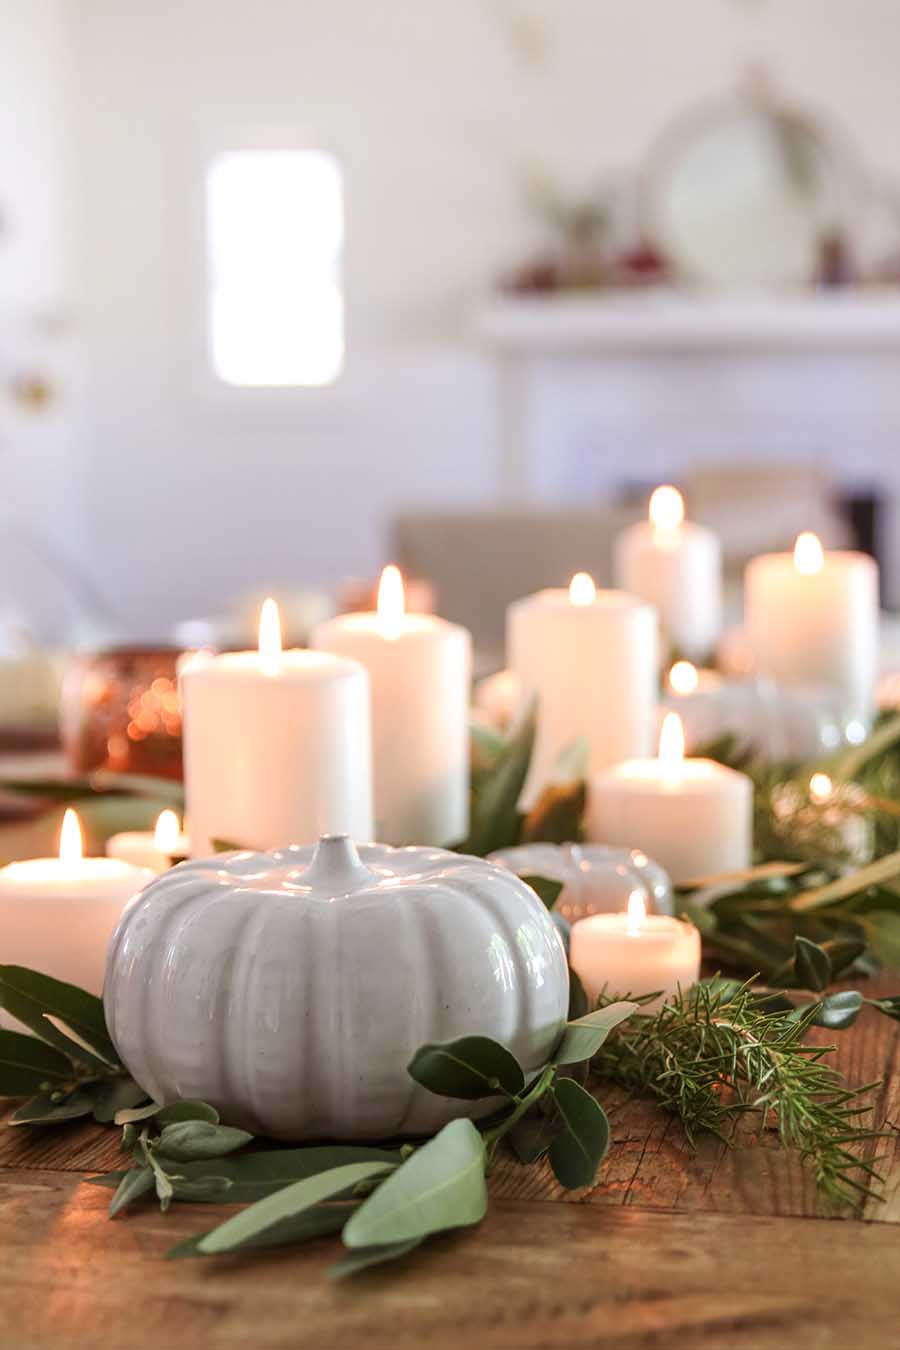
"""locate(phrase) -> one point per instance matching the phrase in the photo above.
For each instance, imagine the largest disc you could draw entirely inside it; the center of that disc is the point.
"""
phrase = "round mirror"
(745, 193)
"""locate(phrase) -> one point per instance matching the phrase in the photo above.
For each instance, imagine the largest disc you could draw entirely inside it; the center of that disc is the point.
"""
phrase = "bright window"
(275, 228)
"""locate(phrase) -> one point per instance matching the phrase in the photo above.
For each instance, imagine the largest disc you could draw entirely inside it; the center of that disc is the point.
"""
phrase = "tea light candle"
(635, 953)
(156, 849)
(420, 670)
(58, 914)
(694, 816)
(591, 659)
(812, 618)
(676, 566)
(277, 745)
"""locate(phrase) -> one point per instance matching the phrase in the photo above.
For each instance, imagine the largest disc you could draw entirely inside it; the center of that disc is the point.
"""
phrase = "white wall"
(435, 114)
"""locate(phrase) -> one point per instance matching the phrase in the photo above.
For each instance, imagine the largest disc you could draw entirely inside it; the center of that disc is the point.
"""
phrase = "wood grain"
(533, 1275)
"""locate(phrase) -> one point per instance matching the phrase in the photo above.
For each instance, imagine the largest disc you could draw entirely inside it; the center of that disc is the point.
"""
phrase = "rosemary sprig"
(718, 1050)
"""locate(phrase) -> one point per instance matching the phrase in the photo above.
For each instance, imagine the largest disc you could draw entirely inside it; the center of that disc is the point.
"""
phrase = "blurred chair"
(480, 561)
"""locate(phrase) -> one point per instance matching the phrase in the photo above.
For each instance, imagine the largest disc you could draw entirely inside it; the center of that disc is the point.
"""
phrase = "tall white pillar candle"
(812, 618)
(591, 658)
(676, 566)
(420, 671)
(58, 914)
(635, 953)
(694, 816)
(277, 746)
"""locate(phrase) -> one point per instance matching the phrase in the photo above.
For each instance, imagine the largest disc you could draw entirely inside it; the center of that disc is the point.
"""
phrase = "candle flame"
(270, 637)
(808, 555)
(71, 846)
(582, 589)
(683, 678)
(391, 602)
(671, 741)
(820, 787)
(666, 508)
(165, 836)
(637, 913)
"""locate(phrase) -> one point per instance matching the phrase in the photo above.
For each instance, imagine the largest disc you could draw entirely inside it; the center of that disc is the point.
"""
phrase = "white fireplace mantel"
(667, 320)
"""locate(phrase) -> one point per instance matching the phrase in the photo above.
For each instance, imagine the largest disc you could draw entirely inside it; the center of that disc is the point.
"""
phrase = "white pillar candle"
(635, 953)
(812, 618)
(591, 659)
(420, 671)
(157, 849)
(277, 746)
(58, 914)
(695, 817)
(676, 566)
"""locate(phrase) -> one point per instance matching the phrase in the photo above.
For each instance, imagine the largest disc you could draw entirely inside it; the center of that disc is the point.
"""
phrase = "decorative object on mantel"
(120, 710)
(238, 1003)
(592, 878)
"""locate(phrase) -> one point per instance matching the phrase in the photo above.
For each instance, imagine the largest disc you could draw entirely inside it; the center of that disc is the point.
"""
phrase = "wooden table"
(672, 1247)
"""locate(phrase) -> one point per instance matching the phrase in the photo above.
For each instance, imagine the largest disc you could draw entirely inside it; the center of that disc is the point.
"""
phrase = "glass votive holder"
(120, 710)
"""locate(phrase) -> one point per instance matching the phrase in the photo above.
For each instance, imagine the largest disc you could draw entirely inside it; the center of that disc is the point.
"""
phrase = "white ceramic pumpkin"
(596, 878)
(290, 989)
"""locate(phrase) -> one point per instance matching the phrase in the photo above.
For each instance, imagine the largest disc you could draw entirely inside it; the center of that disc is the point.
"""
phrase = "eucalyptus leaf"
(839, 1011)
(204, 1190)
(29, 995)
(876, 873)
(471, 1067)
(584, 1037)
(287, 1203)
(889, 1006)
(576, 1154)
(113, 1095)
(253, 1176)
(183, 1110)
(139, 1181)
(556, 817)
(80, 1047)
(842, 952)
(364, 1257)
(579, 1003)
(311, 1223)
(549, 891)
(495, 818)
(43, 1110)
(812, 966)
(531, 1137)
(27, 1063)
(440, 1186)
(227, 846)
(185, 1140)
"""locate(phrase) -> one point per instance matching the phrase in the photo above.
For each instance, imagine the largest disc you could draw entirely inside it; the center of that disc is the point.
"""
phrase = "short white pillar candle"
(277, 746)
(58, 914)
(591, 659)
(420, 673)
(635, 953)
(694, 816)
(812, 618)
(157, 849)
(676, 566)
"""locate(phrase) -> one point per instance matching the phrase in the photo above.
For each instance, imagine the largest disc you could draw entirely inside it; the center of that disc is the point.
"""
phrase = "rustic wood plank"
(532, 1275)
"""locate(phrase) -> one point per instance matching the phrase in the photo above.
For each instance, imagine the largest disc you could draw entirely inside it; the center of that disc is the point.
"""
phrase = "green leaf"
(812, 966)
(139, 1181)
(883, 930)
(113, 1095)
(80, 1048)
(184, 1110)
(205, 1190)
(549, 891)
(287, 1203)
(845, 886)
(311, 1223)
(584, 1037)
(364, 1257)
(842, 952)
(838, 1011)
(43, 1110)
(889, 1006)
(27, 1063)
(256, 1175)
(185, 1140)
(227, 846)
(495, 817)
(531, 1137)
(557, 815)
(470, 1068)
(579, 1003)
(576, 1154)
(440, 1186)
(28, 995)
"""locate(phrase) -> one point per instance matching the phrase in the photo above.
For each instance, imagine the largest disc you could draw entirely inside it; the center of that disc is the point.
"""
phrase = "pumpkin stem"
(336, 863)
